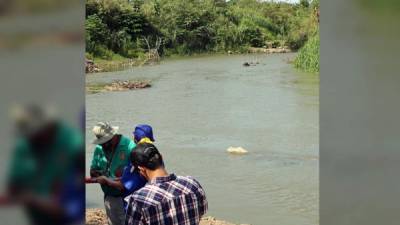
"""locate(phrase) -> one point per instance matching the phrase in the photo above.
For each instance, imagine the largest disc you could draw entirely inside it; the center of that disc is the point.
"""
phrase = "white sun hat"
(104, 132)
(30, 119)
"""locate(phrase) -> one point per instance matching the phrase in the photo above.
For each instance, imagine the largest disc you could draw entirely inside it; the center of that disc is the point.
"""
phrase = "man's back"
(171, 200)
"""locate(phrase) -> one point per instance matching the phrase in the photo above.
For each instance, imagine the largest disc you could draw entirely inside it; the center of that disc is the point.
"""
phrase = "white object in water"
(237, 150)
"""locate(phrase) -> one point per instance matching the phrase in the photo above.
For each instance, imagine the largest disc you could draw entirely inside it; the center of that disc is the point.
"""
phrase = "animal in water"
(246, 64)
(237, 150)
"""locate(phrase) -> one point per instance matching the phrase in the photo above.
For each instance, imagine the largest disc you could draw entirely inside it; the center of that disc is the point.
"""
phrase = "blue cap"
(142, 131)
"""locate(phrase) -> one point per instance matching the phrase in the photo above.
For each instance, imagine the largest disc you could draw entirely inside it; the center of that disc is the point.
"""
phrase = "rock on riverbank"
(118, 86)
(90, 67)
(98, 217)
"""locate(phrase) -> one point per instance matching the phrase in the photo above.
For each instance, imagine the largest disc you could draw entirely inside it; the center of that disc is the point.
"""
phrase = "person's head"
(105, 135)
(36, 123)
(147, 159)
(143, 131)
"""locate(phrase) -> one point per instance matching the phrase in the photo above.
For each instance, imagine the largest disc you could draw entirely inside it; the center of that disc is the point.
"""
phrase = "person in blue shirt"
(131, 180)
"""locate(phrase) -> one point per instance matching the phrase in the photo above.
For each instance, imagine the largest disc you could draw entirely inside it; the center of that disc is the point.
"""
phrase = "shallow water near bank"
(200, 106)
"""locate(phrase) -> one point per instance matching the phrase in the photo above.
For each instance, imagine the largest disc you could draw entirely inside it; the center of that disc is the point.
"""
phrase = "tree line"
(129, 27)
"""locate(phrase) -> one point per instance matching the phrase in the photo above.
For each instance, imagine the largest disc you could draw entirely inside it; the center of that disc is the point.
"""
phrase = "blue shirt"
(132, 181)
(72, 198)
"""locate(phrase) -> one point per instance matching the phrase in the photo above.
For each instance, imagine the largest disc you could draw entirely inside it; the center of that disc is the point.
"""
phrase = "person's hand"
(25, 197)
(101, 179)
(95, 173)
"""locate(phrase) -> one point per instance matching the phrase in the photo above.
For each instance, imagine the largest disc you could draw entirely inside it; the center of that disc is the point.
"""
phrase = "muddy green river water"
(200, 106)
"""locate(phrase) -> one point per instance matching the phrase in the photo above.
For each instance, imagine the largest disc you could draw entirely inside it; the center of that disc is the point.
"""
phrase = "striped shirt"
(170, 200)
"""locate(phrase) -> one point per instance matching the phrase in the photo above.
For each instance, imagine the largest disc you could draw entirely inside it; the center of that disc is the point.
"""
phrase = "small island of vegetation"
(118, 85)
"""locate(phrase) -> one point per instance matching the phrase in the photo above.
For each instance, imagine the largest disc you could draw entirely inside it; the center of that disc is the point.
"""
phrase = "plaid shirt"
(170, 200)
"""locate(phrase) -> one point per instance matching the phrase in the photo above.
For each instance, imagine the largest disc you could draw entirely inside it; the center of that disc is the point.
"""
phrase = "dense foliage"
(308, 57)
(120, 27)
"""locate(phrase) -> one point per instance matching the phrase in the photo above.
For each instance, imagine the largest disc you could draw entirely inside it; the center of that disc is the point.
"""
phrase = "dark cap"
(146, 155)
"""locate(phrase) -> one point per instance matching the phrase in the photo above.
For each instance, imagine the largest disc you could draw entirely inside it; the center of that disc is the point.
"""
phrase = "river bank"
(102, 65)
(98, 217)
(120, 63)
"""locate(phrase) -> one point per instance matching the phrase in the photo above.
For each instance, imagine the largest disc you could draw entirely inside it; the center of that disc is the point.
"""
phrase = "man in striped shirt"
(166, 199)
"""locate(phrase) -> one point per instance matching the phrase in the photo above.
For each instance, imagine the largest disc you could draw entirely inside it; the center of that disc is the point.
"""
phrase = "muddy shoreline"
(98, 217)
(95, 67)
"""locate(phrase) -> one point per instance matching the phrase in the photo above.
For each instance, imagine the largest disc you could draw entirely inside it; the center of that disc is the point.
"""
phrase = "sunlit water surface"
(200, 106)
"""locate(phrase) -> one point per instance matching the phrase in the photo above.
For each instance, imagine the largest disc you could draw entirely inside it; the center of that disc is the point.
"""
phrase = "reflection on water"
(201, 106)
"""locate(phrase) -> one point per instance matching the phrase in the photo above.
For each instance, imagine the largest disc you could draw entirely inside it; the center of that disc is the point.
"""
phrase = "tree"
(193, 26)
(305, 3)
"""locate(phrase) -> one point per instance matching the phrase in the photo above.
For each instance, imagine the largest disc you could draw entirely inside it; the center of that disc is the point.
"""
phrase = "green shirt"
(43, 174)
(119, 158)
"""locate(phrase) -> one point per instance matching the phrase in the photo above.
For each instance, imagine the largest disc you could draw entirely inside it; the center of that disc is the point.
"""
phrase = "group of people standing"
(137, 188)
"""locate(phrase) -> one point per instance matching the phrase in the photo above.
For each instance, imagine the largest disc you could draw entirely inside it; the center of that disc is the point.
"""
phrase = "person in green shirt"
(44, 160)
(111, 156)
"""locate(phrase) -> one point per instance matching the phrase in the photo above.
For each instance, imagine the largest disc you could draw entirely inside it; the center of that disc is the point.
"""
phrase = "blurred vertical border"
(359, 112)
(42, 68)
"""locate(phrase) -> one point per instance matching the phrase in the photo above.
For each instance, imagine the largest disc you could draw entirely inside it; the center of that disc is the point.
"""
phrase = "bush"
(96, 33)
(193, 26)
(102, 52)
(296, 41)
(89, 56)
(113, 27)
(308, 56)
(305, 3)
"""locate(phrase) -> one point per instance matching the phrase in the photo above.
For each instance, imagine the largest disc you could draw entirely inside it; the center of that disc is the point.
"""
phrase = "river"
(200, 106)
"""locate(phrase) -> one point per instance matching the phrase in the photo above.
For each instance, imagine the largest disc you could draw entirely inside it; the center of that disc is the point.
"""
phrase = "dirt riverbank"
(98, 217)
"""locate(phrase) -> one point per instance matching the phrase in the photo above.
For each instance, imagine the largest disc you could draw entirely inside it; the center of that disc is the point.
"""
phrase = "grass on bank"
(115, 62)
(95, 88)
(307, 58)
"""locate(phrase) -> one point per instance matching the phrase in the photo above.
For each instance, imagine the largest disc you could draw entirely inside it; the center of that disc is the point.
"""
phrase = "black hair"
(146, 155)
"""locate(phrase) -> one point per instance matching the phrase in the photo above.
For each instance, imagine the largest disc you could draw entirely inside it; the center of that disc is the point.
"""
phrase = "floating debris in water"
(237, 150)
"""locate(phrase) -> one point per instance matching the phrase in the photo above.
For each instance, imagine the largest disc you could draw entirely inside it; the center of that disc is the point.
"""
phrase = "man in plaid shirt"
(166, 199)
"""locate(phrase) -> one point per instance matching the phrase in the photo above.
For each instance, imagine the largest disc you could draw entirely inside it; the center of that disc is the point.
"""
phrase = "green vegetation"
(380, 7)
(130, 29)
(308, 57)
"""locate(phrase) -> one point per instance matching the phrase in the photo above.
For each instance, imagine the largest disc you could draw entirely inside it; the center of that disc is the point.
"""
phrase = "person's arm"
(20, 170)
(131, 147)
(203, 203)
(134, 214)
(95, 173)
(110, 182)
(95, 167)
(48, 205)
(203, 206)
